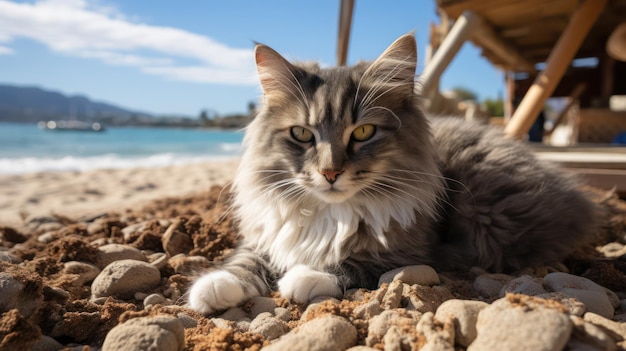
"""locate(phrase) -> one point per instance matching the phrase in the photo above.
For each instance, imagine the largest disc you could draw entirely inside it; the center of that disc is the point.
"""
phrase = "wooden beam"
(460, 32)
(573, 99)
(345, 23)
(485, 37)
(560, 58)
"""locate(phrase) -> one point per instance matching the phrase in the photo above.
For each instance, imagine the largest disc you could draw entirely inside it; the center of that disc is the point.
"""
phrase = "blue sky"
(179, 57)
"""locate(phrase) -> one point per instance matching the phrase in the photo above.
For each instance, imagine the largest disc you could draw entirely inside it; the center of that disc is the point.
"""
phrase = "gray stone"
(380, 324)
(420, 274)
(463, 314)
(84, 272)
(521, 325)
(187, 320)
(261, 304)
(589, 334)
(591, 294)
(328, 333)
(124, 278)
(268, 326)
(114, 252)
(368, 310)
(153, 299)
(283, 314)
(575, 307)
(13, 294)
(47, 343)
(158, 259)
(159, 333)
(234, 314)
(615, 329)
(489, 285)
(525, 284)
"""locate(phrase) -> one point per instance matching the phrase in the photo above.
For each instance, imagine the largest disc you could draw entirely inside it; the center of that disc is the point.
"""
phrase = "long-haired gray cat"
(343, 178)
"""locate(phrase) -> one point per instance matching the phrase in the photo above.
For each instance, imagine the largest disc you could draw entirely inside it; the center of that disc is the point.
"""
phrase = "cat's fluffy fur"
(323, 204)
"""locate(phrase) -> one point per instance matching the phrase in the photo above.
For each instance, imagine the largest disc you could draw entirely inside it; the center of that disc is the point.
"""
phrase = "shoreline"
(81, 193)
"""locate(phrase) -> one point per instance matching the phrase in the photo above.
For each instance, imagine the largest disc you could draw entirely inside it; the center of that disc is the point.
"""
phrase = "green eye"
(301, 134)
(364, 132)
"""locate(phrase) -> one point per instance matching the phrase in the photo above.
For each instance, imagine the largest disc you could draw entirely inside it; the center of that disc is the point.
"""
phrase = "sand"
(77, 194)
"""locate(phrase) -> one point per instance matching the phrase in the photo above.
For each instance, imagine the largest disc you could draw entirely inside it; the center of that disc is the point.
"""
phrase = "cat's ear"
(395, 68)
(276, 74)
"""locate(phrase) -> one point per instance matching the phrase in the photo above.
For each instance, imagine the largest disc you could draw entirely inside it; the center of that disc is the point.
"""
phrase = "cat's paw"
(216, 290)
(302, 284)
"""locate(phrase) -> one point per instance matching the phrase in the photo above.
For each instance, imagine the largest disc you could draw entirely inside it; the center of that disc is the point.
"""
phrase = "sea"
(25, 148)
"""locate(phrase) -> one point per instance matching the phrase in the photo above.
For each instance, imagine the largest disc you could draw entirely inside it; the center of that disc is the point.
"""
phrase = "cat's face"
(338, 133)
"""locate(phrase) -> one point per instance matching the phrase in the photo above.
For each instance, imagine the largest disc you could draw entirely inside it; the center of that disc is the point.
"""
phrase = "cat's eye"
(364, 132)
(301, 134)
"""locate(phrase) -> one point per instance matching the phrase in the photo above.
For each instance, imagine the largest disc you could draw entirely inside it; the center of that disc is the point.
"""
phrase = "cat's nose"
(330, 174)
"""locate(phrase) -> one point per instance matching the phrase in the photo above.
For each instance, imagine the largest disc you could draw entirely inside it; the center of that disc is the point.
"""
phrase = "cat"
(344, 178)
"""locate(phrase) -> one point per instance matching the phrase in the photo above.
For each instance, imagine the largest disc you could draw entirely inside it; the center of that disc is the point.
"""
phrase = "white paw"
(302, 284)
(214, 291)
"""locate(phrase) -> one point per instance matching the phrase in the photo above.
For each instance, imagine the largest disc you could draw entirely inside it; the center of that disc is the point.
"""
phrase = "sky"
(182, 57)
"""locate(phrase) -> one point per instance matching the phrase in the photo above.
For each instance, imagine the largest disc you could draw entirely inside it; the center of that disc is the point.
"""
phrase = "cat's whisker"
(420, 190)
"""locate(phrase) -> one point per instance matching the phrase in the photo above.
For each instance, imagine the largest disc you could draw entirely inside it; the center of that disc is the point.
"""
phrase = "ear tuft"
(276, 74)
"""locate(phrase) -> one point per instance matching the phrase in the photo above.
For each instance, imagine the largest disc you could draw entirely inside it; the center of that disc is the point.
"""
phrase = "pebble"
(393, 296)
(153, 299)
(420, 274)
(463, 314)
(368, 310)
(615, 329)
(591, 294)
(528, 324)
(114, 252)
(158, 259)
(234, 314)
(590, 335)
(260, 304)
(15, 295)
(159, 333)
(47, 343)
(575, 307)
(34, 223)
(188, 265)
(85, 272)
(424, 299)
(490, 285)
(327, 333)
(124, 278)
(525, 284)
(175, 241)
(47, 237)
(269, 326)
(282, 314)
(187, 320)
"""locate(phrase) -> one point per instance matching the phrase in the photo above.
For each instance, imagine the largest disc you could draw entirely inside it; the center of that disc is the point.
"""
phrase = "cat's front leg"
(244, 275)
(303, 283)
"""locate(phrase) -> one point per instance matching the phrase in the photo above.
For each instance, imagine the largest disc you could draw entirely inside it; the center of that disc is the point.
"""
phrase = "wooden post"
(345, 22)
(560, 58)
(510, 95)
(459, 33)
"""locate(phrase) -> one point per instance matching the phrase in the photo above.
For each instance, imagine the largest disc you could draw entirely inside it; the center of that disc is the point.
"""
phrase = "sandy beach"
(77, 194)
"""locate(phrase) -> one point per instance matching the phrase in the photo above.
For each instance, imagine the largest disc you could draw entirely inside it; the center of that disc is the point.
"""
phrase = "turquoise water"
(24, 148)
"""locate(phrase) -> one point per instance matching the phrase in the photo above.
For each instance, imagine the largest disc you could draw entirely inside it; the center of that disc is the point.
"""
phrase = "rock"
(489, 285)
(187, 320)
(24, 295)
(525, 284)
(158, 259)
(34, 223)
(175, 241)
(114, 252)
(420, 274)
(463, 314)
(283, 314)
(393, 296)
(186, 265)
(48, 237)
(47, 343)
(268, 326)
(361, 348)
(437, 338)
(260, 304)
(616, 330)
(124, 278)
(153, 299)
(17, 332)
(84, 272)
(424, 299)
(234, 314)
(11, 235)
(613, 250)
(380, 324)
(591, 294)
(327, 333)
(591, 335)
(520, 322)
(575, 307)
(159, 333)
(368, 310)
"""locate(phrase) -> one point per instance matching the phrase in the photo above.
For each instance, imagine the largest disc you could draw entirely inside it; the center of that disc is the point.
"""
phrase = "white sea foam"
(109, 161)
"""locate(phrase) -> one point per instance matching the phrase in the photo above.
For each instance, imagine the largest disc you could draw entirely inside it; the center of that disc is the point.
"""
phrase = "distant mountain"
(32, 104)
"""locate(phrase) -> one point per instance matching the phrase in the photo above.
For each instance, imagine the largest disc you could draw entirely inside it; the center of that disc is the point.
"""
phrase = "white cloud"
(91, 30)
(5, 51)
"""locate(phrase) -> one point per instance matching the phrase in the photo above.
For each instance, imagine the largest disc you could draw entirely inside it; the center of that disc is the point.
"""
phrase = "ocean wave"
(109, 161)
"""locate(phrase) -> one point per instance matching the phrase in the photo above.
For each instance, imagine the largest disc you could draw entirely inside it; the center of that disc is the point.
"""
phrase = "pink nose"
(330, 175)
